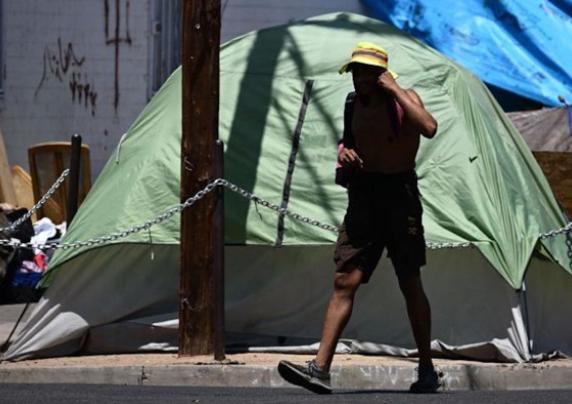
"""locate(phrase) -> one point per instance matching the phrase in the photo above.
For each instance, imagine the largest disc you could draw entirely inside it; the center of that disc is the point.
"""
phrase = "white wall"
(32, 112)
(35, 110)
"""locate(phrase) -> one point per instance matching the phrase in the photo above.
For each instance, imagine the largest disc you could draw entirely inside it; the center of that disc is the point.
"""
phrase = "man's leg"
(315, 375)
(419, 313)
(337, 315)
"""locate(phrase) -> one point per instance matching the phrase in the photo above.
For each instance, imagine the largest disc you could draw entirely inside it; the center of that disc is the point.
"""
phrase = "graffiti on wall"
(82, 91)
(63, 64)
(115, 37)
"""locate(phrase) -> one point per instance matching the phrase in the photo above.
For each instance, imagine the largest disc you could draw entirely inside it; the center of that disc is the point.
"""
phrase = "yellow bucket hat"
(368, 53)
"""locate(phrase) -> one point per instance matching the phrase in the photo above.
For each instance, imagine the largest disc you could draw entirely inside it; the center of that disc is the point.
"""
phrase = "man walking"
(382, 128)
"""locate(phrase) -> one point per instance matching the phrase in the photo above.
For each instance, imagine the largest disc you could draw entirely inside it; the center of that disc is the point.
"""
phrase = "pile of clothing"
(22, 268)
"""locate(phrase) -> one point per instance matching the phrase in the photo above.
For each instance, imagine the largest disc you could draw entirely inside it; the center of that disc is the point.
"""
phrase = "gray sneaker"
(309, 376)
(428, 381)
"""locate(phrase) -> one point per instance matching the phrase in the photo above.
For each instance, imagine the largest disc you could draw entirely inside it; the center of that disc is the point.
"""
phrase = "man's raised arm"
(421, 120)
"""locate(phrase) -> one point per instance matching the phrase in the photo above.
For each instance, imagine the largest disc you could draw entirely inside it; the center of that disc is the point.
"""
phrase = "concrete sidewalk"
(354, 372)
(259, 370)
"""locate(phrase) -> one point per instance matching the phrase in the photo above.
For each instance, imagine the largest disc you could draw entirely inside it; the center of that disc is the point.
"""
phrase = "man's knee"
(348, 282)
(410, 283)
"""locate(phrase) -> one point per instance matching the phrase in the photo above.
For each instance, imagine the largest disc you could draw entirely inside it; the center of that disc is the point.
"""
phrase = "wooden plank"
(200, 90)
(557, 167)
(7, 193)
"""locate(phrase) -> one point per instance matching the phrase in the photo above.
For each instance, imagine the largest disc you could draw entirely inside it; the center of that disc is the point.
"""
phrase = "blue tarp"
(522, 46)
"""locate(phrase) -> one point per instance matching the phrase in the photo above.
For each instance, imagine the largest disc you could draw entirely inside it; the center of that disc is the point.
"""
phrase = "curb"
(348, 377)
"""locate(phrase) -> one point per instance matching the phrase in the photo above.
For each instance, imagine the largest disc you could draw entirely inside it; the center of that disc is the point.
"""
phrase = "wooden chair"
(23, 189)
(47, 161)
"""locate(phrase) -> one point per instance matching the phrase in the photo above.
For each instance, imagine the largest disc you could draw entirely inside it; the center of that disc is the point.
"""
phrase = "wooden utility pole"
(197, 288)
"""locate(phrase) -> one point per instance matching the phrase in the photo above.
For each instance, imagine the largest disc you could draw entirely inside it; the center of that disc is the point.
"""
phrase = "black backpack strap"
(348, 137)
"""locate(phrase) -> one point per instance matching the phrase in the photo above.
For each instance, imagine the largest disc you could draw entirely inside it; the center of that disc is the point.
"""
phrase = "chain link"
(552, 233)
(437, 246)
(568, 233)
(221, 182)
(277, 208)
(40, 203)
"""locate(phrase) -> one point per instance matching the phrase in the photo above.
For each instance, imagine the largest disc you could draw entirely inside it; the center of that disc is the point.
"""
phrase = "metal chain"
(316, 223)
(121, 234)
(40, 203)
(437, 246)
(166, 215)
(566, 229)
(568, 233)
(277, 208)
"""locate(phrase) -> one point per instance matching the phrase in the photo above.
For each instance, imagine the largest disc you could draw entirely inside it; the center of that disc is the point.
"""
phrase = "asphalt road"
(108, 394)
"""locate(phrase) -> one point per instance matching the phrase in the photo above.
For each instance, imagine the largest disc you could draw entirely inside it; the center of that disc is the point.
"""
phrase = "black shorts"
(384, 210)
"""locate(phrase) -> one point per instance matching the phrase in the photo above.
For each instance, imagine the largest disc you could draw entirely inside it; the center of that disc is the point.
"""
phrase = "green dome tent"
(480, 185)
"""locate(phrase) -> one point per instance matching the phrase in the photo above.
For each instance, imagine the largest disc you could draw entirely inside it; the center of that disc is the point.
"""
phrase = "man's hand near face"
(387, 83)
